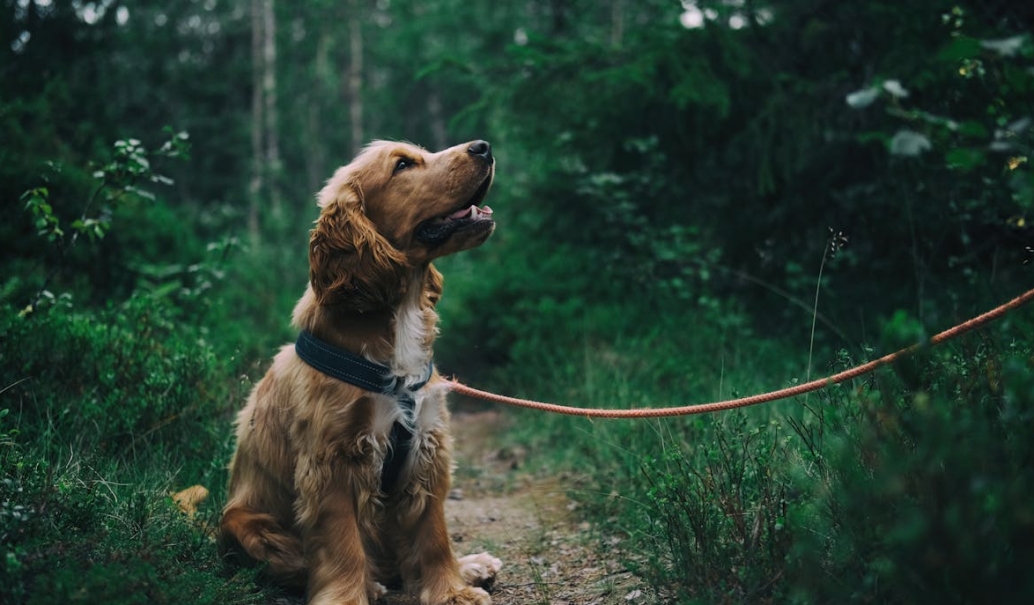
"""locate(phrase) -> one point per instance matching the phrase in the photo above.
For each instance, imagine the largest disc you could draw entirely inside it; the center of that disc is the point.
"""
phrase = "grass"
(907, 486)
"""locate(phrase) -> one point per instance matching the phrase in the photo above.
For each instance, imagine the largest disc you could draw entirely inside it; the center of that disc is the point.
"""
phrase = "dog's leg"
(263, 539)
(425, 551)
(428, 560)
(339, 572)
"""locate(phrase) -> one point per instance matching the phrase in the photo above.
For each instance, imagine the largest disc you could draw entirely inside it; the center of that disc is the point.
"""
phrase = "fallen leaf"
(189, 499)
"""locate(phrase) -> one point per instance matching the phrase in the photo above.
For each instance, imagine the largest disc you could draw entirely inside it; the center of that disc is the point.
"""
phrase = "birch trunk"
(273, 167)
(355, 75)
(316, 159)
(256, 183)
(617, 22)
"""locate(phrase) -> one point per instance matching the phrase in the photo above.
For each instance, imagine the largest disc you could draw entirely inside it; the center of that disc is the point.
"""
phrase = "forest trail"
(549, 555)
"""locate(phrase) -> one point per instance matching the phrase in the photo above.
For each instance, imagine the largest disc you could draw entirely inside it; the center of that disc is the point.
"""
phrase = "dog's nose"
(481, 148)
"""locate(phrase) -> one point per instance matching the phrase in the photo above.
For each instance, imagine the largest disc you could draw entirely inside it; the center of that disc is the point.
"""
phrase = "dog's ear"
(350, 263)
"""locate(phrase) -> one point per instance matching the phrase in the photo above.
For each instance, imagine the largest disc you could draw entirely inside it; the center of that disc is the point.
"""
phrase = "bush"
(922, 493)
(719, 511)
(119, 390)
(111, 378)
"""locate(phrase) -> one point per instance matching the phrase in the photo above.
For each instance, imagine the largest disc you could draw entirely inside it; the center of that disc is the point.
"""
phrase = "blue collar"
(371, 376)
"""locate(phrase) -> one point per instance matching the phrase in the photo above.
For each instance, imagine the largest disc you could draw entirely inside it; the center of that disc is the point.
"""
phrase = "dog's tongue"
(470, 212)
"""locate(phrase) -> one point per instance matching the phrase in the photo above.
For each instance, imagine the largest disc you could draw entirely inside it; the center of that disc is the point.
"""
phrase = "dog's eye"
(402, 164)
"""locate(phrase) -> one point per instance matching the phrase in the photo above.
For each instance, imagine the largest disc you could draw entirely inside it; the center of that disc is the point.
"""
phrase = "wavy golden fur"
(305, 494)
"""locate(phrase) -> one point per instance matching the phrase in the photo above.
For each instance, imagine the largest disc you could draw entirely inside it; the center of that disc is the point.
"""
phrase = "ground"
(550, 556)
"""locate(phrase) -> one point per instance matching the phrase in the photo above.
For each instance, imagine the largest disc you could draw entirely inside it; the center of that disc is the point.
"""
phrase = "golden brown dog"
(308, 494)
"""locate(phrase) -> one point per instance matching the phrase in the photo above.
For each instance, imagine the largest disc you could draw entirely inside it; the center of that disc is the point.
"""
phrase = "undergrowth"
(104, 414)
(913, 485)
(118, 383)
(76, 533)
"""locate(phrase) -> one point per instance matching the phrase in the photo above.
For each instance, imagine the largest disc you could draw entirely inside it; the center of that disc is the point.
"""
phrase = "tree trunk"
(438, 130)
(316, 158)
(273, 166)
(558, 12)
(256, 183)
(617, 22)
(355, 75)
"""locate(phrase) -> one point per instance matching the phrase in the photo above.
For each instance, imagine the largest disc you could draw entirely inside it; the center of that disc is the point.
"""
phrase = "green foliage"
(923, 494)
(909, 486)
(979, 126)
(47, 225)
(109, 378)
(721, 531)
(116, 189)
(70, 533)
(105, 409)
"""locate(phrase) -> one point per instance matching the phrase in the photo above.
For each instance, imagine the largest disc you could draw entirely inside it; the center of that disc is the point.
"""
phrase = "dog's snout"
(482, 149)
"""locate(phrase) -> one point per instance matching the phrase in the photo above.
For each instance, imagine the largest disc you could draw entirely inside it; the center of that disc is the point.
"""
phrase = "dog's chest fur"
(414, 330)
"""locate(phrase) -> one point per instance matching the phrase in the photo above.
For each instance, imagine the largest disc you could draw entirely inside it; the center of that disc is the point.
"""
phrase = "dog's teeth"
(473, 212)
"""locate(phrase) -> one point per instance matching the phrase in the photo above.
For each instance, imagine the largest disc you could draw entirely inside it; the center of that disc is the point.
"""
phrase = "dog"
(343, 457)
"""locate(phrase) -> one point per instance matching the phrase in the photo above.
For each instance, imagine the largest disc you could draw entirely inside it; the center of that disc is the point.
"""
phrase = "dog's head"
(395, 207)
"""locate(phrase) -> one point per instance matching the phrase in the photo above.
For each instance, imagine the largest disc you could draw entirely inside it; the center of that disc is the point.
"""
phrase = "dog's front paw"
(468, 595)
(480, 569)
(375, 591)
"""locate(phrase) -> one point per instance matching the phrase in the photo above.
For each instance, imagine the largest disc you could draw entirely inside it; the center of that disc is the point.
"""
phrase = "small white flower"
(1006, 47)
(863, 98)
(909, 143)
(895, 89)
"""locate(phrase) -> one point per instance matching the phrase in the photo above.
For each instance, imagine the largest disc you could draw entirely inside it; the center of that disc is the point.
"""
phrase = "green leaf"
(147, 195)
(965, 158)
(962, 47)
(895, 89)
(972, 128)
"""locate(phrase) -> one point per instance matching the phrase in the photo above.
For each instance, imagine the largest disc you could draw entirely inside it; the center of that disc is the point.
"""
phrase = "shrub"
(922, 493)
(719, 508)
(108, 378)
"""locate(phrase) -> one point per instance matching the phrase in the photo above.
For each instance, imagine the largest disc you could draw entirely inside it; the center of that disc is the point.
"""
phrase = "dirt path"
(549, 555)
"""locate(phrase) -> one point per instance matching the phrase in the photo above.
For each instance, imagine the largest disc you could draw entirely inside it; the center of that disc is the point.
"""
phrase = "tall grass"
(909, 486)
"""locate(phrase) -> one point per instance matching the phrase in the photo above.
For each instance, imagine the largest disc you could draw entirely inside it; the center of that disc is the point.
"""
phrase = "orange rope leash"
(719, 406)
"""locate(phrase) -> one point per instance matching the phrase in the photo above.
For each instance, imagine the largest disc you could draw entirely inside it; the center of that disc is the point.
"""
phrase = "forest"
(696, 200)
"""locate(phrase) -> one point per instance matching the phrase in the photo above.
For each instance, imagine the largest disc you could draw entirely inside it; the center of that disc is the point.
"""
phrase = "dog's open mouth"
(469, 216)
